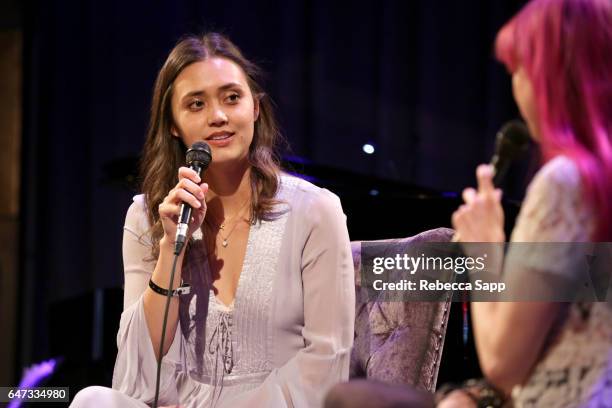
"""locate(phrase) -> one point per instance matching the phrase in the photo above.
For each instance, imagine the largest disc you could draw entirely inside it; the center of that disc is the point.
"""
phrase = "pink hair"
(565, 47)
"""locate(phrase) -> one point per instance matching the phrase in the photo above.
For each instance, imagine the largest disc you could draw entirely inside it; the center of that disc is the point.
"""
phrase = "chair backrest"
(399, 342)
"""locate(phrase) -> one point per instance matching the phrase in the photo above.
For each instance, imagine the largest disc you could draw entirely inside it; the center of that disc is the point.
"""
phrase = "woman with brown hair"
(269, 319)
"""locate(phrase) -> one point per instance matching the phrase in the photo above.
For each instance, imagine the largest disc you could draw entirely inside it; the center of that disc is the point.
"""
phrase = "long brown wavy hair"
(163, 153)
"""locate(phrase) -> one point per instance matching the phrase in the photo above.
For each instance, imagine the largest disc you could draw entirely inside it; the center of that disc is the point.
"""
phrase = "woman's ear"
(174, 131)
(256, 100)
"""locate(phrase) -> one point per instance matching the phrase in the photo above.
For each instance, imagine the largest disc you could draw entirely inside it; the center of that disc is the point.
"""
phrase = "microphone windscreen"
(511, 142)
(199, 153)
(513, 138)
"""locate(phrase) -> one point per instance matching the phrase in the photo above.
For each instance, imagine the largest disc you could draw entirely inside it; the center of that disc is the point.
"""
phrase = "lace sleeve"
(548, 241)
(554, 209)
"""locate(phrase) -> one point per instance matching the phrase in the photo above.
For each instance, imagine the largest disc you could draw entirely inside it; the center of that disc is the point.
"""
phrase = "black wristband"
(184, 289)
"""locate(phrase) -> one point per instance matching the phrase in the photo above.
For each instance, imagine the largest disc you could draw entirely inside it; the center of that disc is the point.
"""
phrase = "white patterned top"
(284, 341)
(575, 367)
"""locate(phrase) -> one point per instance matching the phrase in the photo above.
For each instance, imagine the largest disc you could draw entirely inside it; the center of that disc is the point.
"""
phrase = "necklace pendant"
(224, 243)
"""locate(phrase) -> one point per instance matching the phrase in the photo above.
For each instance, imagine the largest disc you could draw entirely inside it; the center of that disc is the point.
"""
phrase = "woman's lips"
(220, 140)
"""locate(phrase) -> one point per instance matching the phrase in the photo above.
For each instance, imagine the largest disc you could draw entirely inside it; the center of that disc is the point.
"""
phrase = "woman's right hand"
(189, 190)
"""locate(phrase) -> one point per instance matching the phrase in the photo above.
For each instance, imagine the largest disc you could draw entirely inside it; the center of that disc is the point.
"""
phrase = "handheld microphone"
(512, 141)
(198, 158)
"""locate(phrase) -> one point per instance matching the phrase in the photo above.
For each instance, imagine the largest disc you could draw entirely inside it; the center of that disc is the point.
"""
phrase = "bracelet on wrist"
(486, 395)
(482, 393)
(184, 289)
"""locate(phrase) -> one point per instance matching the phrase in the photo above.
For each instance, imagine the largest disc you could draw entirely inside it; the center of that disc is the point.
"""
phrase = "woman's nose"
(217, 116)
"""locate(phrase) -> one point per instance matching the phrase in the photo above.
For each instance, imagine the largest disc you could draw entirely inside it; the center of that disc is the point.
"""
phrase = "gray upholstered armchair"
(396, 343)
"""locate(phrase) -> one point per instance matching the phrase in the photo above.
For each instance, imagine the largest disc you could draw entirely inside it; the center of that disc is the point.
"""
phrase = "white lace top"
(575, 368)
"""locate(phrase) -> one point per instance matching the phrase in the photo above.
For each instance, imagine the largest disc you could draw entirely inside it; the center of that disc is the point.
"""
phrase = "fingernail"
(483, 170)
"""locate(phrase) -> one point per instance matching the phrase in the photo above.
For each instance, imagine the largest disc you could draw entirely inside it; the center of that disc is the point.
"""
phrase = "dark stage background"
(417, 79)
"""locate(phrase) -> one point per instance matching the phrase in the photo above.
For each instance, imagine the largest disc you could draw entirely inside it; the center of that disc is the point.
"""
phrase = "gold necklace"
(221, 227)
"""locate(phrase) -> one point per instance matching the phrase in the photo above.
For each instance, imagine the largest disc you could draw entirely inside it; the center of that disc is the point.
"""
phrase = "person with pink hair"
(559, 53)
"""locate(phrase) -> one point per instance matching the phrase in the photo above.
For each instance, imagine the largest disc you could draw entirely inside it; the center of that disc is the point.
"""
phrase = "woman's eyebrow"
(200, 92)
(230, 85)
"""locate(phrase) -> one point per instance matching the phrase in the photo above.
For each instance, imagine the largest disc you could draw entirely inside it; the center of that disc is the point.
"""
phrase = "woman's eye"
(233, 98)
(196, 105)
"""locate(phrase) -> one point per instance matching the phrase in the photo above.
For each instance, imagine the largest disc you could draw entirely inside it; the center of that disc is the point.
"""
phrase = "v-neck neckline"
(247, 254)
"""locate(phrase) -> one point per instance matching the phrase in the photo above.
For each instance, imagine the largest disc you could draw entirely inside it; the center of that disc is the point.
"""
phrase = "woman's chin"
(225, 159)
(534, 132)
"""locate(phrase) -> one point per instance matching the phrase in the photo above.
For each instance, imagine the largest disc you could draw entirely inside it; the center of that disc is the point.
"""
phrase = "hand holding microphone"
(181, 213)
(481, 218)
(184, 208)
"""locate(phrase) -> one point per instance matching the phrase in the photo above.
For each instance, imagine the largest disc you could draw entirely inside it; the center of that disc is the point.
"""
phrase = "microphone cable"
(165, 323)
(198, 158)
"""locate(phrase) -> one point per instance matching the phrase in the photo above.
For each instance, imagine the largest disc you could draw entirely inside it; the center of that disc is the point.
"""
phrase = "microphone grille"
(199, 152)
(513, 139)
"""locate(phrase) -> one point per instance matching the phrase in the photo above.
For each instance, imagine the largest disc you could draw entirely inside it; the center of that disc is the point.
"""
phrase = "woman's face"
(212, 102)
(522, 90)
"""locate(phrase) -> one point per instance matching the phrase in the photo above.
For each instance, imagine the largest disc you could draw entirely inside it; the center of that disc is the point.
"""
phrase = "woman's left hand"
(481, 218)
